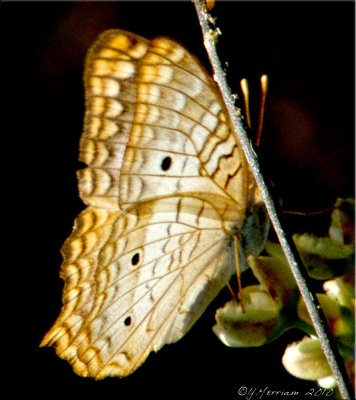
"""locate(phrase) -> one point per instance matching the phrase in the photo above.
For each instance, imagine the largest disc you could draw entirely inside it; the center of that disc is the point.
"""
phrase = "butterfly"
(168, 193)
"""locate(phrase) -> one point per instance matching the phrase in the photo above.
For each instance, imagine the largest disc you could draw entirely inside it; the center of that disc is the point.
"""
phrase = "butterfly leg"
(237, 258)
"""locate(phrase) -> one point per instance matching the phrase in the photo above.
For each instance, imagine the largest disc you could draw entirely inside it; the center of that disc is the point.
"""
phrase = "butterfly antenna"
(264, 88)
(246, 98)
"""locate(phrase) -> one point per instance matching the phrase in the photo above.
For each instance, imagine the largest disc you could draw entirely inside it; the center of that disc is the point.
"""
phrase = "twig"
(293, 258)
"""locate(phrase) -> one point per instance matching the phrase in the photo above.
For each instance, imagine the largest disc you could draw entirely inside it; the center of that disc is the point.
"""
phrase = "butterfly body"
(167, 187)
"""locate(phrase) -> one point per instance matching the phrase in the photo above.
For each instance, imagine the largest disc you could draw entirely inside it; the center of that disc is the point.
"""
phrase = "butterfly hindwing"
(160, 267)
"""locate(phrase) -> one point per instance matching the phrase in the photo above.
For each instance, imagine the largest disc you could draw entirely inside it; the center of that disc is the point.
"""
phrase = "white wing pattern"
(166, 186)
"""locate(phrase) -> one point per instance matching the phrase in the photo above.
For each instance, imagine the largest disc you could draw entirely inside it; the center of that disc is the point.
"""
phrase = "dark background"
(306, 48)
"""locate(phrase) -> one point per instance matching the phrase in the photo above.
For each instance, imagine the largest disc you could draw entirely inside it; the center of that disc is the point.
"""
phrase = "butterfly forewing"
(110, 91)
(155, 126)
(166, 183)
